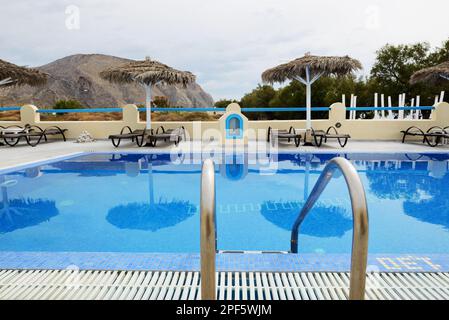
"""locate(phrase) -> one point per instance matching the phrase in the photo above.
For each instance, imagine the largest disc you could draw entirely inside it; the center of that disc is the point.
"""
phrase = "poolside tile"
(225, 261)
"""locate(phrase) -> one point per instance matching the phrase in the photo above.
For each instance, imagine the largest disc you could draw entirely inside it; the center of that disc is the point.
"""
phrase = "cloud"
(228, 43)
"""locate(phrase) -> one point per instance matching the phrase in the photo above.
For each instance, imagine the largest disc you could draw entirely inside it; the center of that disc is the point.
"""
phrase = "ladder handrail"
(359, 253)
(208, 237)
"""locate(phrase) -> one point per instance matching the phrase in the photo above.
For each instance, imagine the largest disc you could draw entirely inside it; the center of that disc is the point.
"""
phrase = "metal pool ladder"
(208, 231)
(359, 252)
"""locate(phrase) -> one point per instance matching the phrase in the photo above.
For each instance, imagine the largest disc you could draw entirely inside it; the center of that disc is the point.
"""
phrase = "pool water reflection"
(148, 203)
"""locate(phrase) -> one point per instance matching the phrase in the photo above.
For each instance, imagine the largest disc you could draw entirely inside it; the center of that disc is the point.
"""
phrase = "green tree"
(223, 103)
(68, 104)
(441, 54)
(160, 102)
(395, 65)
(258, 98)
(390, 75)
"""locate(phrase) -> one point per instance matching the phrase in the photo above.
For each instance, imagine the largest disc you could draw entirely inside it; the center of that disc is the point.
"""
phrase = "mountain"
(77, 77)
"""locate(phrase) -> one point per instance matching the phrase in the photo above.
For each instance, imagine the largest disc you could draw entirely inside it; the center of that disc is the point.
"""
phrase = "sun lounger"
(49, 131)
(275, 134)
(321, 136)
(433, 137)
(32, 134)
(175, 135)
(1, 128)
(137, 135)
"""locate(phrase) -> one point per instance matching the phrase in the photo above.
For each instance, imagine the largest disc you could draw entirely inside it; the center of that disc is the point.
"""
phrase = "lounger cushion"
(125, 136)
(287, 135)
(322, 133)
(53, 131)
(336, 136)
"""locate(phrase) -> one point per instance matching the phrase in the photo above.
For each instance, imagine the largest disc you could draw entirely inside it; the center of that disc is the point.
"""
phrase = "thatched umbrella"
(433, 75)
(11, 74)
(309, 69)
(147, 73)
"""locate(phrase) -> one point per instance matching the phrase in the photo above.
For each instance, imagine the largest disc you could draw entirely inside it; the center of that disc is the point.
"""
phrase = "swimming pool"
(149, 203)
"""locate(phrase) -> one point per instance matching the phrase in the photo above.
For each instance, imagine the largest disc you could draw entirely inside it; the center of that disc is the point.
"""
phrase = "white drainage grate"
(137, 285)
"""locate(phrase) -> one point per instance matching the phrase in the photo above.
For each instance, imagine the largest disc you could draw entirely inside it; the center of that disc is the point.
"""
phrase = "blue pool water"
(149, 203)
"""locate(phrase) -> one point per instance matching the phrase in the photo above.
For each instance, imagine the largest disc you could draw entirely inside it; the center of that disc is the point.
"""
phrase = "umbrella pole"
(308, 100)
(148, 110)
(5, 81)
(308, 83)
(148, 105)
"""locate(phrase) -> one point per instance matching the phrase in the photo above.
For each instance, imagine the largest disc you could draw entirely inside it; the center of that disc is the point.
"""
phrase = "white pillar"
(418, 104)
(390, 112)
(382, 105)
(351, 105)
(376, 106)
(401, 104)
(442, 96)
(411, 115)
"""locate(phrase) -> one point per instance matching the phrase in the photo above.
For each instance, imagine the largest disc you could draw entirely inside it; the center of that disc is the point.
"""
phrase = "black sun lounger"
(32, 134)
(137, 135)
(321, 136)
(175, 135)
(274, 134)
(1, 128)
(433, 137)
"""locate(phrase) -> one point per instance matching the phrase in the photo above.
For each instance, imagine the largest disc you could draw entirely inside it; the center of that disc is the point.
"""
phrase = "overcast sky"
(226, 43)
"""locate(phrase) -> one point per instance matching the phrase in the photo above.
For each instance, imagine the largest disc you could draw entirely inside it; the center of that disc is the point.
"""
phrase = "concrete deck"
(23, 154)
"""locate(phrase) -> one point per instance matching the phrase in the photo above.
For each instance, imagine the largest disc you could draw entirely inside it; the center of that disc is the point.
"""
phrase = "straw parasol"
(309, 69)
(11, 74)
(433, 75)
(147, 73)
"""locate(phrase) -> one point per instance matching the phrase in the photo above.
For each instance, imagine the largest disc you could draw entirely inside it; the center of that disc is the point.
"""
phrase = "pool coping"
(29, 164)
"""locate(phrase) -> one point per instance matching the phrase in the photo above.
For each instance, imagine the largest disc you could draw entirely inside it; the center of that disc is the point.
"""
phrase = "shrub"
(67, 104)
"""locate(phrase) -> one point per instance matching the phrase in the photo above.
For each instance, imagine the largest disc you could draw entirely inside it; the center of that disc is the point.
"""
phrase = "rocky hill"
(76, 77)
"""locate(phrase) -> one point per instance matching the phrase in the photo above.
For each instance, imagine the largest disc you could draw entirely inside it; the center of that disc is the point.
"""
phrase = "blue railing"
(105, 110)
(281, 109)
(11, 108)
(86, 110)
(242, 109)
(388, 108)
(184, 109)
